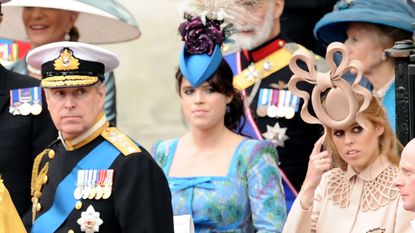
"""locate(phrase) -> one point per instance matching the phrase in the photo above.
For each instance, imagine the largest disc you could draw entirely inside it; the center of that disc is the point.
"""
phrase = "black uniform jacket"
(140, 199)
(302, 136)
(21, 139)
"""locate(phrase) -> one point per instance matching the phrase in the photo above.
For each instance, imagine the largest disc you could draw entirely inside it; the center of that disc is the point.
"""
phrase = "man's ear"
(279, 8)
(101, 94)
(46, 92)
(229, 99)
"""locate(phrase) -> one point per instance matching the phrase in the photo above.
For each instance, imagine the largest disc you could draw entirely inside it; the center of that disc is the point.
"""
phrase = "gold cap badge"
(66, 61)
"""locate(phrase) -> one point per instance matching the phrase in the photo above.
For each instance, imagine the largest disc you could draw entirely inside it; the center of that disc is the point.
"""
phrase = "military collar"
(100, 125)
(372, 171)
(264, 50)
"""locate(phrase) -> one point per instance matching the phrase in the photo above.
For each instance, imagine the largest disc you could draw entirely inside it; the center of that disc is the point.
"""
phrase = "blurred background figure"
(360, 155)
(45, 21)
(368, 27)
(298, 20)
(225, 181)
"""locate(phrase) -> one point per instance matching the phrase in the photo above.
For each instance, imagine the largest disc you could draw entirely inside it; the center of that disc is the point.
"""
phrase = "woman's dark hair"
(221, 81)
(73, 34)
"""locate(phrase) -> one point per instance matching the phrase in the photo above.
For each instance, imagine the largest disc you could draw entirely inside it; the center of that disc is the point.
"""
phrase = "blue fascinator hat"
(394, 13)
(201, 54)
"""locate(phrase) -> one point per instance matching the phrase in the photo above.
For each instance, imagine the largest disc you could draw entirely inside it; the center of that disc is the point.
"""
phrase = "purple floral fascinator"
(341, 106)
(203, 37)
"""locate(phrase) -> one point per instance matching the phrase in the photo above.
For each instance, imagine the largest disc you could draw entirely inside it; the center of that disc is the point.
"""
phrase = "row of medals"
(282, 108)
(100, 189)
(275, 111)
(25, 109)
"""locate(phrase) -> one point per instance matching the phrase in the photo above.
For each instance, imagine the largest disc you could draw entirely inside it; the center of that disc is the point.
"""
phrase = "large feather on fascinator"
(224, 10)
(203, 33)
(340, 107)
(235, 12)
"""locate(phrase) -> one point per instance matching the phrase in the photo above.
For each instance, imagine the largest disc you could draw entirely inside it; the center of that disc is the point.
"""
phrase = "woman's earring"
(67, 36)
(228, 108)
(383, 57)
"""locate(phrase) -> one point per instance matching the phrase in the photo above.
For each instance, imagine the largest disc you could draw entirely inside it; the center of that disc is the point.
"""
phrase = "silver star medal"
(90, 220)
(251, 73)
(276, 135)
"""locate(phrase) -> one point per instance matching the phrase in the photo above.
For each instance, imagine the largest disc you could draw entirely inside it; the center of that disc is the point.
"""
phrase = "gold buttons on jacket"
(45, 179)
(38, 207)
(78, 205)
(51, 154)
(71, 231)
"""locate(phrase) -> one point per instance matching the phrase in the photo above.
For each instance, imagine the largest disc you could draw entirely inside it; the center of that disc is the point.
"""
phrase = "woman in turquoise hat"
(45, 21)
(368, 27)
(225, 181)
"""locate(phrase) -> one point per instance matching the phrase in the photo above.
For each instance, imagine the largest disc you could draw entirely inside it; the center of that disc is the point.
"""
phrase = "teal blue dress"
(250, 198)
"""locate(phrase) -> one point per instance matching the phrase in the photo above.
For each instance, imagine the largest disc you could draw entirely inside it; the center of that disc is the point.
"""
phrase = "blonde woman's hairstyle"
(389, 145)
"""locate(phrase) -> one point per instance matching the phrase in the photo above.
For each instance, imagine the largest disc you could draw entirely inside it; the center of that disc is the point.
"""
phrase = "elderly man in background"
(262, 73)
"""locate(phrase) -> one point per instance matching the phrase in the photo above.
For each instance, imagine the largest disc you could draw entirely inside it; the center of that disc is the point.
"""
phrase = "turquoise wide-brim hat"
(197, 68)
(394, 13)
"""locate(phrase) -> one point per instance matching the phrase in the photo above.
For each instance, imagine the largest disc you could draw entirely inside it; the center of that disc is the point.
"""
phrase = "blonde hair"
(389, 145)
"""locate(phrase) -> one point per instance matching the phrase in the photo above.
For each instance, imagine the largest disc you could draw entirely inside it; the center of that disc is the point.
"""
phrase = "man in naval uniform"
(93, 178)
(25, 130)
(261, 71)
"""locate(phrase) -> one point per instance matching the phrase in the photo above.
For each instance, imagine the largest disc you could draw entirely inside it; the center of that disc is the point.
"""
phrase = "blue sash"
(101, 157)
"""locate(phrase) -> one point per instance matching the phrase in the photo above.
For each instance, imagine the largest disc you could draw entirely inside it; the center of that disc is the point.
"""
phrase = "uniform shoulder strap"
(120, 141)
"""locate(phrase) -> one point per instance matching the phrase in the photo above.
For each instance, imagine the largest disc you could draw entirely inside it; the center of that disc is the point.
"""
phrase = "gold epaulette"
(36, 176)
(121, 141)
(262, 69)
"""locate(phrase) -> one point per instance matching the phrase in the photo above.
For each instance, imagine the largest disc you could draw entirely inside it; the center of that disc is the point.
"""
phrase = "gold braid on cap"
(69, 81)
(332, 84)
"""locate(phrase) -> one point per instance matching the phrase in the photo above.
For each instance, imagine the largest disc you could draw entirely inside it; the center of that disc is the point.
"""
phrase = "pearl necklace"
(379, 94)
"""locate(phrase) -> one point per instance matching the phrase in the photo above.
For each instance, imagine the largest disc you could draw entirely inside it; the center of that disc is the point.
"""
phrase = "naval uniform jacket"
(21, 139)
(140, 200)
(294, 155)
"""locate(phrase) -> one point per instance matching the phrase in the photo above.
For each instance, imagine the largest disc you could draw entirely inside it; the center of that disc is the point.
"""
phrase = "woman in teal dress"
(225, 181)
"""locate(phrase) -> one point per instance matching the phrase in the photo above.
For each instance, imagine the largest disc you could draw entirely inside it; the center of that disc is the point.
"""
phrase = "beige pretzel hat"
(341, 107)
